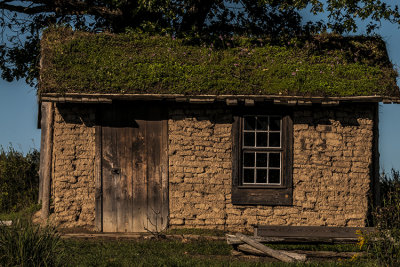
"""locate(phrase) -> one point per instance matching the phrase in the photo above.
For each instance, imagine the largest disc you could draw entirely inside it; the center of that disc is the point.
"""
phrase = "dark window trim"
(271, 195)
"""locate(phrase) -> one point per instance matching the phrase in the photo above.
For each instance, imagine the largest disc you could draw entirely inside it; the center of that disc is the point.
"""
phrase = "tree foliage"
(19, 179)
(22, 21)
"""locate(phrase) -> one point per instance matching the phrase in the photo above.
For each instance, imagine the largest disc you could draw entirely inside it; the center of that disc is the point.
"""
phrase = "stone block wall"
(332, 164)
(332, 167)
(200, 166)
(73, 166)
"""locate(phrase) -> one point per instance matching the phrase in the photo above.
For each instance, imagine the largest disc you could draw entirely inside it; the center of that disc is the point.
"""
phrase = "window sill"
(262, 196)
(261, 186)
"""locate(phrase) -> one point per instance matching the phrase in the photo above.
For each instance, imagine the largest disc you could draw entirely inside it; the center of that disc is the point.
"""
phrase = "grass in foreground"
(24, 213)
(24, 244)
(142, 253)
(318, 247)
(195, 231)
(169, 253)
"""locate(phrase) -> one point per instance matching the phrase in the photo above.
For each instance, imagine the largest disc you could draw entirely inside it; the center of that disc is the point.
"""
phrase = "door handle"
(115, 170)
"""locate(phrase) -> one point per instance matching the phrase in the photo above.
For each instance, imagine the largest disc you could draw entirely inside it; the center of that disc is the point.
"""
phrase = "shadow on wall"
(345, 114)
(102, 114)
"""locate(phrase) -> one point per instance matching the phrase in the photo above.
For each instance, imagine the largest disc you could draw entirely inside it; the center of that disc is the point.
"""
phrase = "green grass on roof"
(325, 65)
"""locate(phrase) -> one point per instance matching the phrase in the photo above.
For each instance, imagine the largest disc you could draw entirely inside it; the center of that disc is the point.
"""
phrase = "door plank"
(140, 179)
(153, 149)
(121, 182)
(164, 172)
(108, 188)
(98, 177)
(130, 133)
(115, 177)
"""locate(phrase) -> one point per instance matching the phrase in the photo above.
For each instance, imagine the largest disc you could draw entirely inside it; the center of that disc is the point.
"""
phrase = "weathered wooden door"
(134, 167)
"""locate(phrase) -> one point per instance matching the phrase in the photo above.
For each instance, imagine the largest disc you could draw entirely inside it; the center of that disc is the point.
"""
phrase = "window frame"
(263, 194)
(260, 149)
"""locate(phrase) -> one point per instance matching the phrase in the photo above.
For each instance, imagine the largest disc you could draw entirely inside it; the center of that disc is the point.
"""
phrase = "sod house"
(146, 132)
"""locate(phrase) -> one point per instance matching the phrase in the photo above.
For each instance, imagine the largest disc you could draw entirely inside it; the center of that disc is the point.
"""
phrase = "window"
(261, 150)
(262, 153)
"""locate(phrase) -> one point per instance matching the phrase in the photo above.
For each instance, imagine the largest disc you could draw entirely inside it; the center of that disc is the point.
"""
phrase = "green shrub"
(384, 244)
(25, 244)
(19, 179)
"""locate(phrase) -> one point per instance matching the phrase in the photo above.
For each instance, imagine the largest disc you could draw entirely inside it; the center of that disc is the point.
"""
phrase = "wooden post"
(46, 149)
(164, 172)
(250, 249)
(39, 126)
(376, 198)
(98, 177)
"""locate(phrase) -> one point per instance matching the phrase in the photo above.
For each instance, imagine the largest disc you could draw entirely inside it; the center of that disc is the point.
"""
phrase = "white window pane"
(274, 176)
(261, 176)
(248, 176)
(262, 123)
(274, 139)
(275, 123)
(262, 160)
(262, 139)
(249, 139)
(249, 123)
(274, 160)
(248, 159)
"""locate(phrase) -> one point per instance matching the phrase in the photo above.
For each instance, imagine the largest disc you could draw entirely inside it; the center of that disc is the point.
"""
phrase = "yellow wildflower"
(361, 239)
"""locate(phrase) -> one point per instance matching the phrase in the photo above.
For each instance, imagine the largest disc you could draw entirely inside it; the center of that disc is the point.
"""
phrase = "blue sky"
(18, 116)
(389, 124)
(18, 112)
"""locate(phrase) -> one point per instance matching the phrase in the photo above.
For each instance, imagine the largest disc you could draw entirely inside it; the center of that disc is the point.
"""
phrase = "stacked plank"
(251, 245)
(309, 234)
(294, 234)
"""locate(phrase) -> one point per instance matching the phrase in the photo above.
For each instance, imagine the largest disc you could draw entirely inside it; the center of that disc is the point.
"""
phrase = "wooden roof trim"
(206, 99)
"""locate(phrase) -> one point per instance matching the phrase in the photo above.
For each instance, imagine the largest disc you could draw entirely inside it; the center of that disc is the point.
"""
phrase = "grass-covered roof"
(324, 65)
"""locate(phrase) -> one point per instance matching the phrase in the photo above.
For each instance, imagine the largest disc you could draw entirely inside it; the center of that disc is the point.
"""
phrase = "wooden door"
(134, 167)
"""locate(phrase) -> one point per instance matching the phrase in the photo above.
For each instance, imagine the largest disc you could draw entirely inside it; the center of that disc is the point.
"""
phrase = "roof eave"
(229, 99)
